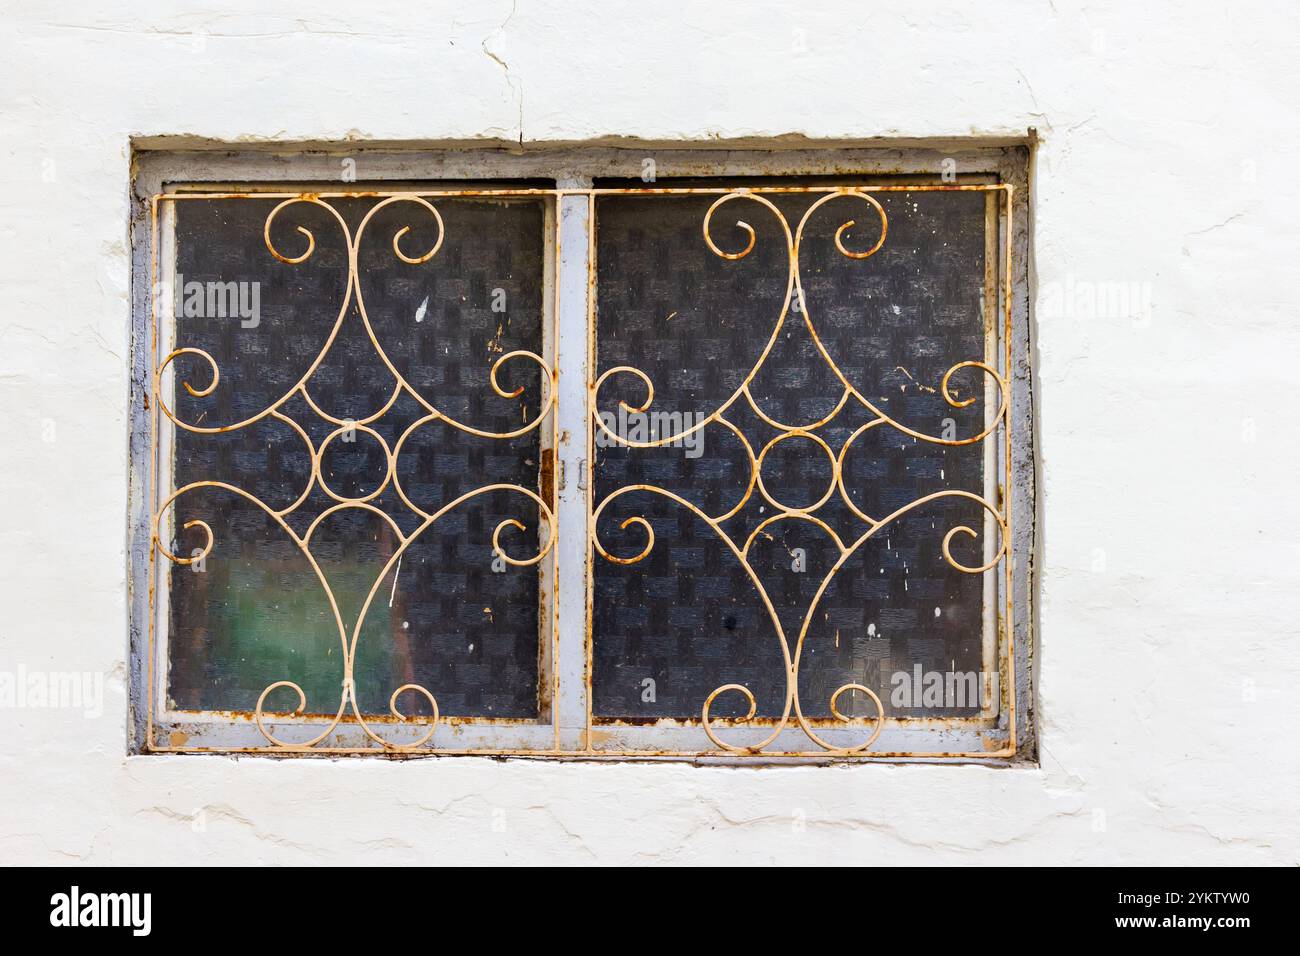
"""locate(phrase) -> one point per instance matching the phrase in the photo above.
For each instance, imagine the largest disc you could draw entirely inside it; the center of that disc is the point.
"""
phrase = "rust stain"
(494, 344)
(546, 478)
(925, 388)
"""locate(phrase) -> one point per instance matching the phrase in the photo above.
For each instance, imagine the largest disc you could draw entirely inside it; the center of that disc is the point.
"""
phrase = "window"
(584, 453)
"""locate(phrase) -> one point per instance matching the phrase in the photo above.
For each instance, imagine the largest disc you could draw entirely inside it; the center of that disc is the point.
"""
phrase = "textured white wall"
(1169, 588)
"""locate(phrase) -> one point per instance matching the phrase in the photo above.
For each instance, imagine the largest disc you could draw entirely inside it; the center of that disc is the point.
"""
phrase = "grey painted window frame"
(158, 166)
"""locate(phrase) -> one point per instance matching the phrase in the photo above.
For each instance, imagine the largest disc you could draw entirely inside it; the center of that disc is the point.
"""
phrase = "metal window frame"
(572, 733)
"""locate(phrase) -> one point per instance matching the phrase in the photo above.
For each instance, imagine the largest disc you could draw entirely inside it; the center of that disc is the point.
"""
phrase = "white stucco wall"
(1169, 590)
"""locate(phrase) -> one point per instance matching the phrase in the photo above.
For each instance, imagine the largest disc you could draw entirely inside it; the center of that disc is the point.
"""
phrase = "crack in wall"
(516, 88)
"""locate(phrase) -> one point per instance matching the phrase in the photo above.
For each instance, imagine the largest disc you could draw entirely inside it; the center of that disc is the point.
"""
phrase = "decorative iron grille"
(633, 574)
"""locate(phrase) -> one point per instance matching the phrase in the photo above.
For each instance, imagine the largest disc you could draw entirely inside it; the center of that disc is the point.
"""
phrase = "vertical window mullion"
(573, 466)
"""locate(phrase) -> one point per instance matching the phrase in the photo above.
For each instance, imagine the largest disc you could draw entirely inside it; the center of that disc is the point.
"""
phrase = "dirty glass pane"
(688, 617)
(447, 617)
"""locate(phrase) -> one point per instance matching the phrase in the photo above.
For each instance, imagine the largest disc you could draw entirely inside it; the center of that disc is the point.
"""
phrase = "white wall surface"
(1169, 587)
